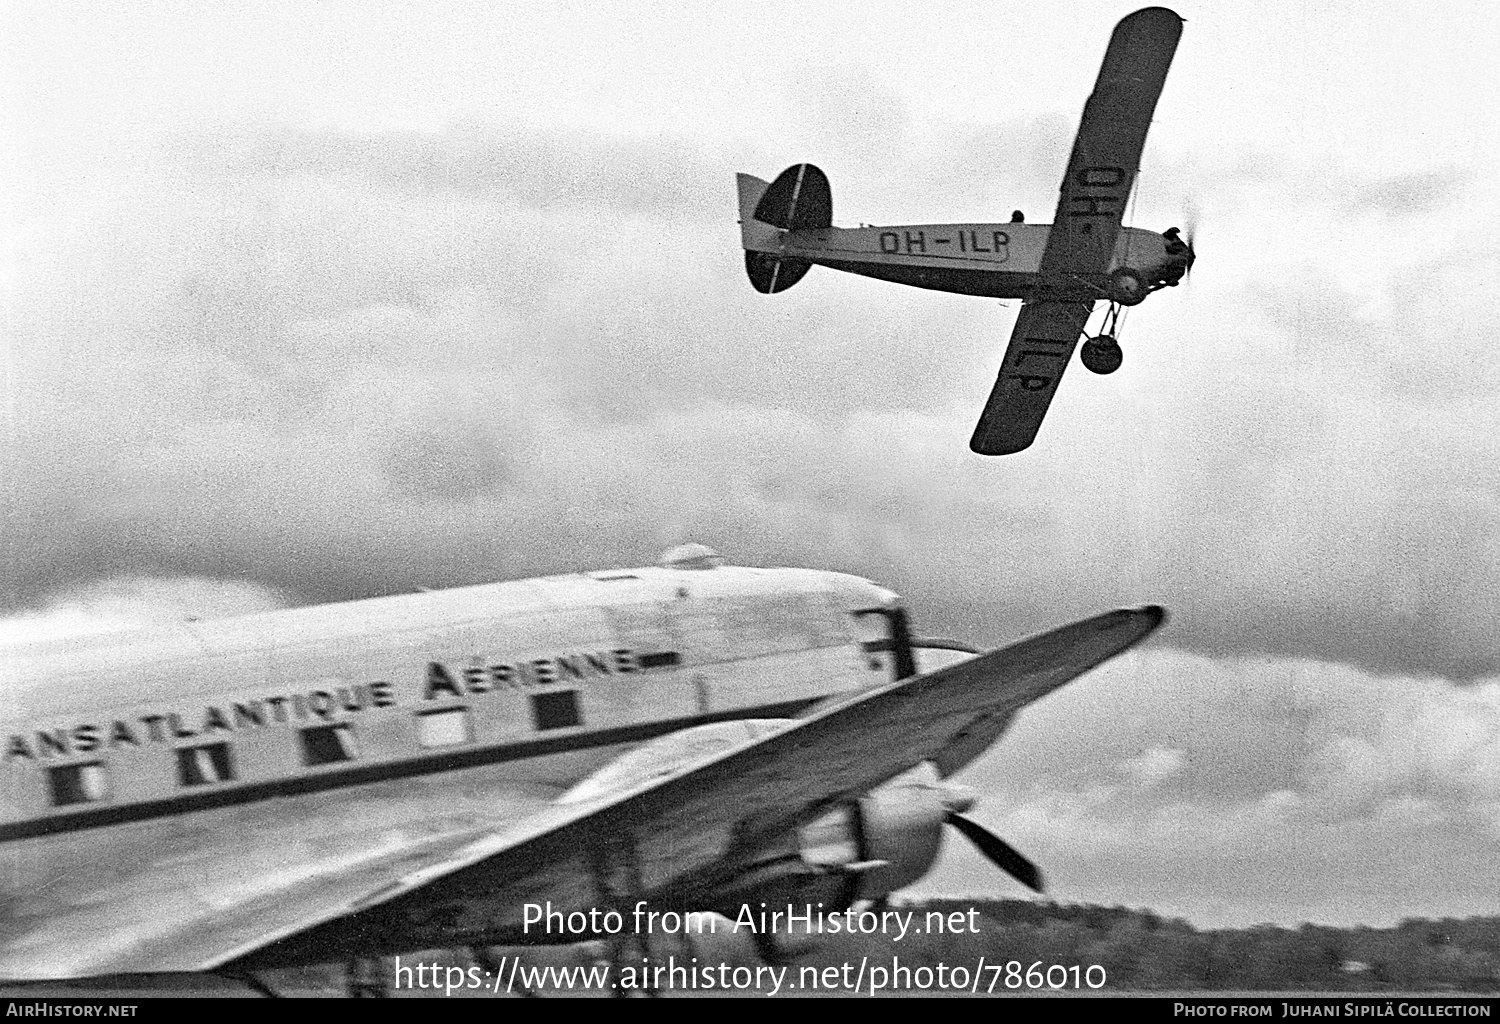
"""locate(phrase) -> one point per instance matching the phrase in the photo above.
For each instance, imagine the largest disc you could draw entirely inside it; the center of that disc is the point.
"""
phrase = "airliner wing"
(694, 829)
(219, 897)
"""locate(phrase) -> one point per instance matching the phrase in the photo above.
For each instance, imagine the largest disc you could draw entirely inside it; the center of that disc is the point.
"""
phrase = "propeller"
(1190, 231)
(998, 851)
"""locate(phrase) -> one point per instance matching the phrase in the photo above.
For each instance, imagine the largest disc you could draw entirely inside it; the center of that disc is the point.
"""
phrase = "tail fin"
(751, 189)
(798, 199)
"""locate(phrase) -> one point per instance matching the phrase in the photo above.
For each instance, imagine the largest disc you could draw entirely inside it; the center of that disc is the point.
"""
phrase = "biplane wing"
(1040, 346)
(1107, 151)
(1081, 244)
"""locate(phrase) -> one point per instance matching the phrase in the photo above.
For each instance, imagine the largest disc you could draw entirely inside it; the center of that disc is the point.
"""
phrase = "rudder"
(770, 273)
(798, 200)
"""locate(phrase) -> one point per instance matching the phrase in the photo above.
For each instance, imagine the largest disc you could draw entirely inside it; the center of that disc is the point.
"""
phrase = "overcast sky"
(309, 302)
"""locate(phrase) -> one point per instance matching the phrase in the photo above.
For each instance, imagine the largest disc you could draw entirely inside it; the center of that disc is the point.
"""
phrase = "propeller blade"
(999, 852)
(1190, 231)
(1190, 217)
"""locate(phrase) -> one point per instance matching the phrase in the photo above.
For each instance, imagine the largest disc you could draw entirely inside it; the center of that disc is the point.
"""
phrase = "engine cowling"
(862, 849)
(888, 838)
(859, 850)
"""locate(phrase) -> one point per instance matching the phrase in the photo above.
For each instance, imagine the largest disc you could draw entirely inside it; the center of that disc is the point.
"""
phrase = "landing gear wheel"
(1126, 287)
(1102, 354)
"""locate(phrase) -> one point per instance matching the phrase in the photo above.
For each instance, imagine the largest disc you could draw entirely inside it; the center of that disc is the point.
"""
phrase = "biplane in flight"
(1061, 269)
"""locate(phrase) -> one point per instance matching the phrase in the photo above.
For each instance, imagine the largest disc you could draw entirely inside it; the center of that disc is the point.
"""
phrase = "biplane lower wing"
(1040, 346)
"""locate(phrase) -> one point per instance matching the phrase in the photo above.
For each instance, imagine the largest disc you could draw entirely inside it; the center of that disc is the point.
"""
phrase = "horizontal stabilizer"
(770, 273)
(799, 199)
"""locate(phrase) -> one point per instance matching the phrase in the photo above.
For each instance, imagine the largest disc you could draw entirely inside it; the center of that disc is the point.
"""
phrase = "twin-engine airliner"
(343, 782)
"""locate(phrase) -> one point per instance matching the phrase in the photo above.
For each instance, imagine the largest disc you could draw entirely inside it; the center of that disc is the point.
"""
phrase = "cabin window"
(84, 783)
(446, 728)
(556, 710)
(660, 659)
(328, 744)
(204, 765)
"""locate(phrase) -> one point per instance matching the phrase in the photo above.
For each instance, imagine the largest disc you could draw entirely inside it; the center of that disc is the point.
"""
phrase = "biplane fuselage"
(998, 261)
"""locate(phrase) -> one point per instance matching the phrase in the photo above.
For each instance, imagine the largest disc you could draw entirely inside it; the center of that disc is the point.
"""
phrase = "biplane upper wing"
(1107, 151)
(1081, 243)
(1041, 344)
(679, 832)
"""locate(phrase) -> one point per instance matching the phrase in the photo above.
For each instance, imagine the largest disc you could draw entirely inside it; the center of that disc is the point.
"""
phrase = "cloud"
(347, 363)
(1412, 194)
(125, 603)
(514, 164)
(1238, 790)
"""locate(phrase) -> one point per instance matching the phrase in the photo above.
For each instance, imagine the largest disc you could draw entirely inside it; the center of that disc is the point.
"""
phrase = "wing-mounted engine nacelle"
(863, 849)
(888, 838)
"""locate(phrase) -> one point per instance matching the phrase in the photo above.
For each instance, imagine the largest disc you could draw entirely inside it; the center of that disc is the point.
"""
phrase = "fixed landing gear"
(1102, 354)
